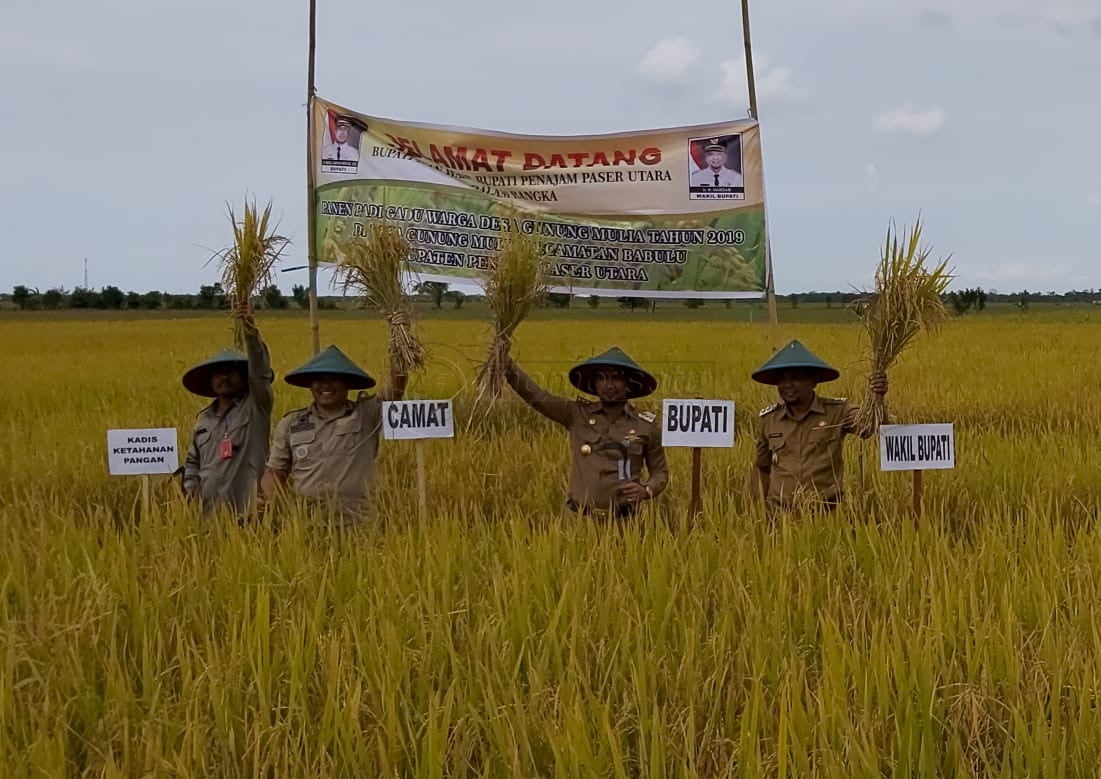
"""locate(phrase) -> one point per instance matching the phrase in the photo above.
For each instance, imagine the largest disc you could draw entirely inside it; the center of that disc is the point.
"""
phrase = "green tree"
(85, 298)
(273, 297)
(435, 290)
(301, 295)
(693, 303)
(152, 300)
(53, 298)
(594, 301)
(557, 300)
(20, 296)
(133, 301)
(212, 296)
(111, 297)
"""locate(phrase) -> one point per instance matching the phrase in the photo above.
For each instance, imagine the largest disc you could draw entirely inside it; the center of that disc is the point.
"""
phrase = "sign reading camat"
(136, 452)
(697, 423)
(411, 419)
(917, 447)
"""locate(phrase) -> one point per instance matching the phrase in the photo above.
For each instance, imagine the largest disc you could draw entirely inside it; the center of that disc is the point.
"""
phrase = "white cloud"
(670, 62)
(775, 85)
(909, 121)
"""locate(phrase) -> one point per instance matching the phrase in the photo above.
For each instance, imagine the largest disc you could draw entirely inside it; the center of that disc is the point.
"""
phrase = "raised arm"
(260, 376)
(553, 407)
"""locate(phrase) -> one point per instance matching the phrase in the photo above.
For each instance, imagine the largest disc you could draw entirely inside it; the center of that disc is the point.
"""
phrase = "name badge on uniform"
(225, 448)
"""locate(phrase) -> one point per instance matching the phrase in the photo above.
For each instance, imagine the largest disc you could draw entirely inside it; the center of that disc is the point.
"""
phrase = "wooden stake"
(422, 489)
(917, 493)
(697, 467)
(311, 203)
(146, 500)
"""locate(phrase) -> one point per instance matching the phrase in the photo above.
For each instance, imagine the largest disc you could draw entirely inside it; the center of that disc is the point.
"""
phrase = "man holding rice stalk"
(229, 444)
(799, 439)
(610, 441)
(326, 451)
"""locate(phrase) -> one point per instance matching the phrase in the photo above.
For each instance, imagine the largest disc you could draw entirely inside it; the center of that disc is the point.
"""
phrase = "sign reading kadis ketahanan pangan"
(662, 213)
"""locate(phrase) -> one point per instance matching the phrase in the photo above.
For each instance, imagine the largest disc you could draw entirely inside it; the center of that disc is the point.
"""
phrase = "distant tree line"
(110, 298)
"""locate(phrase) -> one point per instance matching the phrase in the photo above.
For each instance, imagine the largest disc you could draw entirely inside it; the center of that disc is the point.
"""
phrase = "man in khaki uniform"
(327, 450)
(610, 440)
(799, 440)
(229, 444)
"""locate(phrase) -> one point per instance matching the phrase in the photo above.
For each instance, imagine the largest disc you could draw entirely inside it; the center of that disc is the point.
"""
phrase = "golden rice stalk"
(373, 269)
(517, 281)
(907, 300)
(249, 264)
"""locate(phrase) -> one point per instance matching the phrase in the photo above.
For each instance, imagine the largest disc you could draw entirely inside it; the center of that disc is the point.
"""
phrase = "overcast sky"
(127, 126)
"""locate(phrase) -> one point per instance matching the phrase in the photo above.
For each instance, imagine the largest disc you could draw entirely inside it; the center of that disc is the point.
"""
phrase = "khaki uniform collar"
(212, 408)
(816, 407)
(628, 410)
(349, 407)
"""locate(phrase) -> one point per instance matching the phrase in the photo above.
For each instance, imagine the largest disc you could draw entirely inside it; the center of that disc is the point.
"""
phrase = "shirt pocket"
(826, 435)
(347, 433)
(303, 445)
(776, 447)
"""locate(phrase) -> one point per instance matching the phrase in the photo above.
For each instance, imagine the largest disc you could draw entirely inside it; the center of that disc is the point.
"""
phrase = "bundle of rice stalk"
(517, 281)
(248, 266)
(373, 269)
(907, 300)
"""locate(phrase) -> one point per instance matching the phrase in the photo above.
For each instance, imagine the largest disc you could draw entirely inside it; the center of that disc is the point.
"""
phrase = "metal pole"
(751, 80)
(311, 206)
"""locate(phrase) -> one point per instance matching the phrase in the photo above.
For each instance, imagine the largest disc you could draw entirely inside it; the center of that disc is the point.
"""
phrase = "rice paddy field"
(502, 637)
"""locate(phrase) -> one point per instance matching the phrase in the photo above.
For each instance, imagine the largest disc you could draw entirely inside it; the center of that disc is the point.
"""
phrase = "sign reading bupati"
(917, 447)
(136, 452)
(664, 213)
(411, 419)
(697, 423)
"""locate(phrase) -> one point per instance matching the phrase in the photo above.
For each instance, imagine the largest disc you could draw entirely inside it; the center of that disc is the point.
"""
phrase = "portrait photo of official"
(715, 168)
(340, 144)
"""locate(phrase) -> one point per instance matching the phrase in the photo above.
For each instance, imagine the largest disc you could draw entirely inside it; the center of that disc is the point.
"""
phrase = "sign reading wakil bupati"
(137, 452)
(697, 423)
(412, 419)
(917, 447)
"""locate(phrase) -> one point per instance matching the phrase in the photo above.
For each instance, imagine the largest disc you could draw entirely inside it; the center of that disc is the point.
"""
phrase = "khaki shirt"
(598, 465)
(331, 459)
(232, 481)
(803, 454)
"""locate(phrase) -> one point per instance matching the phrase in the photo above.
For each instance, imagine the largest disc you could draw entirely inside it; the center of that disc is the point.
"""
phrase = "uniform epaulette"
(834, 401)
(648, 416)
(296, 411)
(770, 409)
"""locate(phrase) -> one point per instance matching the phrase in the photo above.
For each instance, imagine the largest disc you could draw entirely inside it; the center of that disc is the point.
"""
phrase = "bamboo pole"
(311, 205)
(751, 81)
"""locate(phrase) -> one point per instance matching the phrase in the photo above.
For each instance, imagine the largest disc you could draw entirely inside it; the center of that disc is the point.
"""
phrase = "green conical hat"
(795, 355)
(334, 362)
(640, 383)
(198, 379)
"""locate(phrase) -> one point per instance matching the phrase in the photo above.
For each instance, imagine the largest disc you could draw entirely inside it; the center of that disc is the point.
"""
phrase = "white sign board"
(136, 452)
(409, 419)
(917, 447)
(697, 423)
